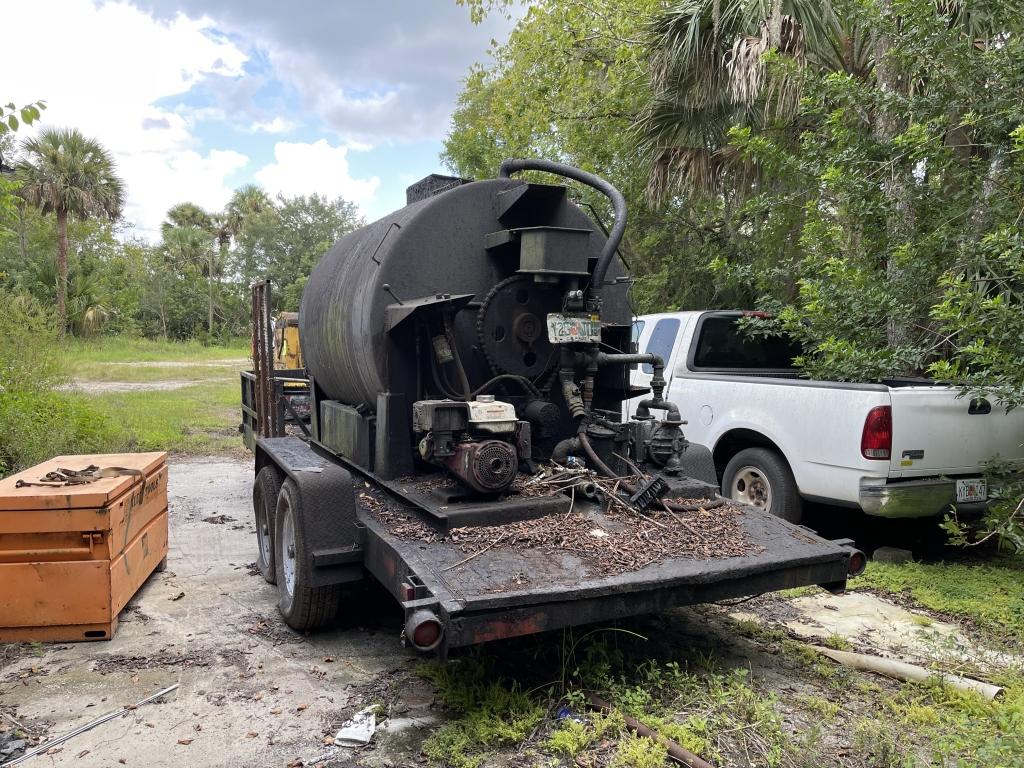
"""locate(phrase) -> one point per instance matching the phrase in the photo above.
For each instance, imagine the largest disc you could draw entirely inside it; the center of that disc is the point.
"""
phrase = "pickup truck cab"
(896, 448)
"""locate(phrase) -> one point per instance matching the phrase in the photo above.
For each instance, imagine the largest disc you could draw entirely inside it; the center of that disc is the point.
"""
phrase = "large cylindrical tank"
(433, 246)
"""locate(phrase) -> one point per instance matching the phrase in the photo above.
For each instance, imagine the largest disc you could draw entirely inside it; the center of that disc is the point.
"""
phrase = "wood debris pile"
(620, 541)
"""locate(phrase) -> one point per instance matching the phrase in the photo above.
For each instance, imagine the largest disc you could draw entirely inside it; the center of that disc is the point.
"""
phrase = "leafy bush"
(37, 421)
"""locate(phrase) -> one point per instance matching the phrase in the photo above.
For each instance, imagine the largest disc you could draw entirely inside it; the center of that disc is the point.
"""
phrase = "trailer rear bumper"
(470, 627)
(421, 578)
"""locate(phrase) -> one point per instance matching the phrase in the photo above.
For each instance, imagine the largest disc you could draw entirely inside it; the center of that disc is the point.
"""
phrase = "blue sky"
(197, 97)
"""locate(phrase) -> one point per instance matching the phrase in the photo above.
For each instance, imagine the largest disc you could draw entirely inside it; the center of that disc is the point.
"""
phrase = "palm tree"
(246, 204)
(67, 174)
(709, 74)
(188, 234)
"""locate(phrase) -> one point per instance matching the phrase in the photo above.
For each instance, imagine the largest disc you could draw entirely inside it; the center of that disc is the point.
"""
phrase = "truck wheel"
(762, 477)
(265, 490)
(302, 605)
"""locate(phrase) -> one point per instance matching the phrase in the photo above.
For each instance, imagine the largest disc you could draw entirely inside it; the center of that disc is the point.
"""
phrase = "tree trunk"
(900, 221)
(775, 25)
(62, 272)
(209, 325)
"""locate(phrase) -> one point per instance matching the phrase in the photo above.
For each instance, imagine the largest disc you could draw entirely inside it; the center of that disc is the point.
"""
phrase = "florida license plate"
(968, 491)
(566, 329)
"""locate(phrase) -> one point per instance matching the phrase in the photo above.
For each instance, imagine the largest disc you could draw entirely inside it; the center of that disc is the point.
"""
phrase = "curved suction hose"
(508, 167)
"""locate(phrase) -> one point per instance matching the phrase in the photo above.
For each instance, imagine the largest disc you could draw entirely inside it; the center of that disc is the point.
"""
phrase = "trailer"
(467, 358)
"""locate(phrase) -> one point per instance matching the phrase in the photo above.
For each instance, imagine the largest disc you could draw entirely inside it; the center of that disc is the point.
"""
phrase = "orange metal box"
(71, 557)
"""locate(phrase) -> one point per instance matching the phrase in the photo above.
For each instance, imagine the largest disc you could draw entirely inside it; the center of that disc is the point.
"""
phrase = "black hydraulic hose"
(522, 381)
(618, 201)
(673, 506)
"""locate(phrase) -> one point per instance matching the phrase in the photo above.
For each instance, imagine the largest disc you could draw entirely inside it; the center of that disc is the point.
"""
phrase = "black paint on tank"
(433, 246)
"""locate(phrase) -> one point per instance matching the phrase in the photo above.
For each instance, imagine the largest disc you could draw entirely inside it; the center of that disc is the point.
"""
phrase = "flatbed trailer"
(467, 360)
(469, 600)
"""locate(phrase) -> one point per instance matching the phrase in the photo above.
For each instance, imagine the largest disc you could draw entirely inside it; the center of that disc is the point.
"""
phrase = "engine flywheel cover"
(512, 326)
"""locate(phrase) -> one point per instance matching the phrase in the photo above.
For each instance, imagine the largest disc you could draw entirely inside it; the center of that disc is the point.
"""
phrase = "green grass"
(127, 349)
(143, 360)
(989, 594)
(197, 419)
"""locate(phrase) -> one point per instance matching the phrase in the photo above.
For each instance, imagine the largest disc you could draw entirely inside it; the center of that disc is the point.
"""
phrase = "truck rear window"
(663, 338)
(723, 346)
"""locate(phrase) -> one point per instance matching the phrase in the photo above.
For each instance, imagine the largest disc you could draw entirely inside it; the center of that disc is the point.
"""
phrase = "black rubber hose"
(674, 506)
(522, 381)
(618, 201)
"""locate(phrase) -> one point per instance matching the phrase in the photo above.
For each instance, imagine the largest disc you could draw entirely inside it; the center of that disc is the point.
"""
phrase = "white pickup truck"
(901, 448)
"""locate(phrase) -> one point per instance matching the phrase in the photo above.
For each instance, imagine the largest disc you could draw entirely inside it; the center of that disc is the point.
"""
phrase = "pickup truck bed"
(507, 591)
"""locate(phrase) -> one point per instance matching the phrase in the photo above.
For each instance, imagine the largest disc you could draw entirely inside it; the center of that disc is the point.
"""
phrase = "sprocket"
(511, 326)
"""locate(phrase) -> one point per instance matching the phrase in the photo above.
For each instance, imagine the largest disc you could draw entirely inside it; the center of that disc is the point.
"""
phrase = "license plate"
(566, 329)
(968, 491)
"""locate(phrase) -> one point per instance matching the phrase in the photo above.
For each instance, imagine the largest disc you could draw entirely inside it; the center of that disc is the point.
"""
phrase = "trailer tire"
(265, 490)
(302, 605)
(762, 477)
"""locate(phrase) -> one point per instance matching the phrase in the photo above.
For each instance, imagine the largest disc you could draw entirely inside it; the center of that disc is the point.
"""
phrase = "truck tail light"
(876, 439)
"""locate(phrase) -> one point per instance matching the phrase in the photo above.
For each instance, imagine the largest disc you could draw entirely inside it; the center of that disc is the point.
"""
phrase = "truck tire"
(265, 490)
(761, 477)
(302, 605)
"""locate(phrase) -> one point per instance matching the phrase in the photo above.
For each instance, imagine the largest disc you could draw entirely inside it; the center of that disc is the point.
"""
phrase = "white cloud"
(277, 125)
(185, 175)
(114, 64)
(301, 169)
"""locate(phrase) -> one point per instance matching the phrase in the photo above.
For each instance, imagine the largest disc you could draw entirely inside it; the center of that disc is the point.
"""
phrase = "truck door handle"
(979, 406)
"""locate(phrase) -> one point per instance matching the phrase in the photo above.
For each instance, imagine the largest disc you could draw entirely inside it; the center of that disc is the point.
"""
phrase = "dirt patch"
(117, 662)
(105, 387)
(232, 362)
(218, 519)
(271, 629)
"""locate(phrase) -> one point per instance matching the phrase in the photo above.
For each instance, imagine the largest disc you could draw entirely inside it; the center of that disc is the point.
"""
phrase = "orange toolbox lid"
(95, 495)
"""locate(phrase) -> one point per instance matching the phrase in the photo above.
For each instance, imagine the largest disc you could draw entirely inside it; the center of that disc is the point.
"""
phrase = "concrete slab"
(252, 693)
(868, 621)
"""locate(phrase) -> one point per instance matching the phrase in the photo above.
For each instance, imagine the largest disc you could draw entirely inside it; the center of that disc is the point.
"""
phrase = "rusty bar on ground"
(675, 750)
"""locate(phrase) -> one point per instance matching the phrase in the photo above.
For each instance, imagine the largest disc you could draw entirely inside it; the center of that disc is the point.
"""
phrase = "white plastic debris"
(359, 730)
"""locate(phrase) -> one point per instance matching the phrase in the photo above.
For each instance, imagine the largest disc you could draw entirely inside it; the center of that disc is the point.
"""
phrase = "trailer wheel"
(302, 605)
(265, 490)
(761, 477)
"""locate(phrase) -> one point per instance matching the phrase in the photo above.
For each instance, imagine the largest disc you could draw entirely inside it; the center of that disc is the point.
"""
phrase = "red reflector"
(426, 634)
(857, 563)
(876, 439)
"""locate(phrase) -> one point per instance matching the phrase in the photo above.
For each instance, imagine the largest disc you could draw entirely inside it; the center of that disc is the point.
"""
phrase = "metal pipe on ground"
(675, 750)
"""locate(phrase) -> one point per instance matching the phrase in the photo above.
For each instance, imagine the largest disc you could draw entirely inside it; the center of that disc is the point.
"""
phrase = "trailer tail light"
(876, 439)
(857, 563)
(424, 630)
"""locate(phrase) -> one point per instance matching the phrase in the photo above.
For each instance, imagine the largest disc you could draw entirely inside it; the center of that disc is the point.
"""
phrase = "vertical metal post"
(262, 360)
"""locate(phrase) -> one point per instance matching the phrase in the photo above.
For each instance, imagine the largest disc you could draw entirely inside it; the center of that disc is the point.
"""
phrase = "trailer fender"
(328, 509)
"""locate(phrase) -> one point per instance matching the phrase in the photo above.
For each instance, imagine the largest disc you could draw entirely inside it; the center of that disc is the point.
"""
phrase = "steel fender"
(328, 509)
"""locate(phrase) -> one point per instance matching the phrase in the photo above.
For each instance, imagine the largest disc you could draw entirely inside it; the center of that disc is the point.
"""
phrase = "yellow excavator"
(287, 346)
(275, 393)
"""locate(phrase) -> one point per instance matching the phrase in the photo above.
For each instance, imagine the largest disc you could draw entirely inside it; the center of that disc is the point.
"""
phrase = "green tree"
(284, 240)
(68, 175)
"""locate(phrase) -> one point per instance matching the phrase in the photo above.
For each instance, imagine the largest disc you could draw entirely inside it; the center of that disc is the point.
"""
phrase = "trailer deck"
(505, 591)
